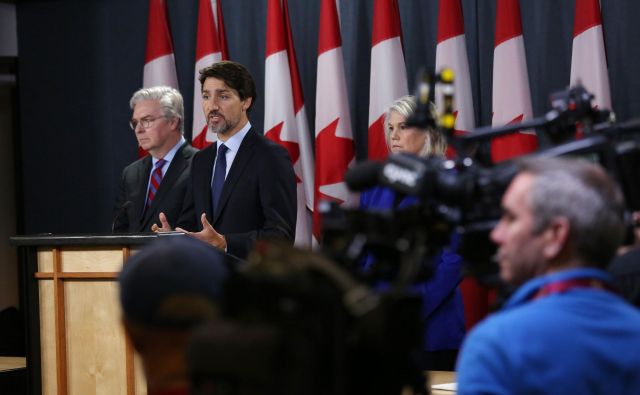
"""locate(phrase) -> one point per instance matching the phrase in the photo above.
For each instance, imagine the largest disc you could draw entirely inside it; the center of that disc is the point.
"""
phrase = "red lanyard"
(565, 285)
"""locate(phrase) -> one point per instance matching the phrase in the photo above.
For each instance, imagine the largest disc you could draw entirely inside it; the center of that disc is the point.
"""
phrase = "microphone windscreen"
(364, 175)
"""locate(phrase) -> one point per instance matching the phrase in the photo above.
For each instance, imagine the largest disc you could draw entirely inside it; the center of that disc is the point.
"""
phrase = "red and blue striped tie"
(156, 179)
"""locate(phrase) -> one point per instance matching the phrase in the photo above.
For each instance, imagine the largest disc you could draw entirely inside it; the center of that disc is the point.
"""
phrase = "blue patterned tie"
(154, 183)
(219, 174)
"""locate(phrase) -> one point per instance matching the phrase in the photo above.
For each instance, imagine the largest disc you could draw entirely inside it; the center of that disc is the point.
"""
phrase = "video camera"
(460, 195)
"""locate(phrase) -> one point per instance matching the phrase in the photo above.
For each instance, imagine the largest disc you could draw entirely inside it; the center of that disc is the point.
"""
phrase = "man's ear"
(556, 236)
(247, 103)
(175, 123)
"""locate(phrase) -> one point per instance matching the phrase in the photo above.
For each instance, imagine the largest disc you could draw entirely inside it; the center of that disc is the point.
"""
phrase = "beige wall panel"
(91, 259)
(47, 336)
(95, 338)
(141, 383)
(45, 260)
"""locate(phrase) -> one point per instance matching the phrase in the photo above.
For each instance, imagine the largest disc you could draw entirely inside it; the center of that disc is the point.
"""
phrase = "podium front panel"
(83, 346)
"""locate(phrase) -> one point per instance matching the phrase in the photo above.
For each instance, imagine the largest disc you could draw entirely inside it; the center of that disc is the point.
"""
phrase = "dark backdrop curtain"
(80, 61)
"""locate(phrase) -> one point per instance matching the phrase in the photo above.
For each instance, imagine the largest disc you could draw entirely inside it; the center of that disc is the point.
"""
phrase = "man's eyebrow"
(142, 117)
(217, 90)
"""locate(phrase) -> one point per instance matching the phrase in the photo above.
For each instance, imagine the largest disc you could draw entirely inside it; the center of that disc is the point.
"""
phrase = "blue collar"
(233, 142)
(169, 155)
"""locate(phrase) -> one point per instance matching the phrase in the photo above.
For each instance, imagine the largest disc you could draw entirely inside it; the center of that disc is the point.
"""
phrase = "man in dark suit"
(243, 187)
(158, 182)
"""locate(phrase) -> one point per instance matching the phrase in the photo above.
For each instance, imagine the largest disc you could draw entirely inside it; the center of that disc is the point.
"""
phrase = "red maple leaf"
(293, 148)
(333, 155)
(512, 145)
(201, 140)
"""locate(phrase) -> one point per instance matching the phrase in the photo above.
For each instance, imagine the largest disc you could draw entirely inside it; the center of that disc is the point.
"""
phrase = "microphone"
(402, 172)
(363, 175)
(121, 210)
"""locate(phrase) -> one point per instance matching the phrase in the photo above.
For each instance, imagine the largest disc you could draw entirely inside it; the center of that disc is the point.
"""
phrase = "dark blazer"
(128, 212)
(258, 198)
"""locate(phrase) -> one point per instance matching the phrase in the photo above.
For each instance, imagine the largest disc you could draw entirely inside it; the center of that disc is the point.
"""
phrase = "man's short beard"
(225, 127)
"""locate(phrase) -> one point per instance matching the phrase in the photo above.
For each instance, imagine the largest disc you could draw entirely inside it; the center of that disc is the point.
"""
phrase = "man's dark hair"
(235, 76)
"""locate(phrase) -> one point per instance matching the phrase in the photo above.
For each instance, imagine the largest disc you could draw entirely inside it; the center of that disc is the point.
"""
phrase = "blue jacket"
(581, 341)
(442, 310)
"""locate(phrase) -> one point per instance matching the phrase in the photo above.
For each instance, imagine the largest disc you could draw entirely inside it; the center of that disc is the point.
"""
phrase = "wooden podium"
(75, 341)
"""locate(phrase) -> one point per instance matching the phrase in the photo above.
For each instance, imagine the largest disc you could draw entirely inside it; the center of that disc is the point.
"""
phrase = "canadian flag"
(211, 47)
(388, 79)
(511, 95)
(159, 62)
(588, 57)
(285, 118)
(451, 52)
(335, 151)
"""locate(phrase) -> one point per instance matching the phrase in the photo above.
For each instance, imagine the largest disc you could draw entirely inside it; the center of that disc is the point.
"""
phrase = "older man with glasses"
(156, 183)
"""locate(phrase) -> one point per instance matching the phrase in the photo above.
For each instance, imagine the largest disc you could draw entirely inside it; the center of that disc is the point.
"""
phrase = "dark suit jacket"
(128, 213)
(258, 198)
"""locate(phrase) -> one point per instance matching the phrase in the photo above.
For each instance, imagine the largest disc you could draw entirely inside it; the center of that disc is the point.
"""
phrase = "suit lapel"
(240, 162)
(202, 185)
(141, 184)
(176, 168)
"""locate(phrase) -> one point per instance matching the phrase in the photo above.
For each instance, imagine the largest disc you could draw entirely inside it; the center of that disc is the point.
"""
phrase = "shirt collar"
(172, 152)
(233, 143)
(529, 289)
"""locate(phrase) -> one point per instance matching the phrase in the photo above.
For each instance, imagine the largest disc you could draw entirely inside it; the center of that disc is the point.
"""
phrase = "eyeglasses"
(145, 122)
